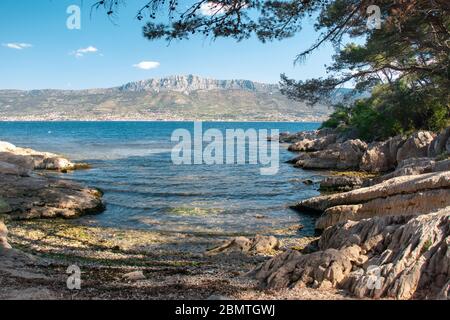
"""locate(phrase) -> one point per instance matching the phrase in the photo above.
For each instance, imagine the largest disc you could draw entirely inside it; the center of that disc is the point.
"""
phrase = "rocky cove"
(384, 221)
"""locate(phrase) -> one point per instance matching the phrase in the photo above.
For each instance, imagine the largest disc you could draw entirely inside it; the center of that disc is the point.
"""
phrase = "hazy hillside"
(172, 98)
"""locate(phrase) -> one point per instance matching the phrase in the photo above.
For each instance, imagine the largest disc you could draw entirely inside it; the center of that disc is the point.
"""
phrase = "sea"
(132, 164)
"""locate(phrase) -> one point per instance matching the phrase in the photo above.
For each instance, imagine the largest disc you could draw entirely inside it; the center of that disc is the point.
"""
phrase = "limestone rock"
(400, 204)
(47, 197)
(315, 144)
(340, 183)
(381, 156)
(10, 168)
(258, 244)
(341, 156)
(395, 186)
(416, 146)
(134, 276)
(30, 159)
(438, 145)
(399, 257)
(412, 166)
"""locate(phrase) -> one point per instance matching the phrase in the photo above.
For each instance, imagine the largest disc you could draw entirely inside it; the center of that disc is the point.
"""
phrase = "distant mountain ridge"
(191, 83)
(179, 97)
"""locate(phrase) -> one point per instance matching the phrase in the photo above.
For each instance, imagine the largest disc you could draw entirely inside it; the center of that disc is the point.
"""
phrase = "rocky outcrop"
(25, 195)
(257, 245)
(416, 146)
(46, 197)
(401, 195)
(314, 144)
(340, 183)
(286, 137)
(23, 160)
(340, 156)
(412, 166)
(440, 144)
(399, 257)
(381, 156)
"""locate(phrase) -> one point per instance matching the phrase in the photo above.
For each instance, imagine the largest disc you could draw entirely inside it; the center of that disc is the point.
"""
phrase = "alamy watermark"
(74, 280)
(374, 19)
(237, 146)
(73, 22)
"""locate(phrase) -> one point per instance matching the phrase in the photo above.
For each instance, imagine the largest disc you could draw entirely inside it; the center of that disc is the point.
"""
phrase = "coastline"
(107, 255)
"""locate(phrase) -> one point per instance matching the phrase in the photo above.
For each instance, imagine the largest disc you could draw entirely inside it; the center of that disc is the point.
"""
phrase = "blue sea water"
(131, 163)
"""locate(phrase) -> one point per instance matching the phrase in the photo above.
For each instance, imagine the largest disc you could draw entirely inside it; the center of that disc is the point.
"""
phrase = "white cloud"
(16, 45)
(147, 65)
(82, 51)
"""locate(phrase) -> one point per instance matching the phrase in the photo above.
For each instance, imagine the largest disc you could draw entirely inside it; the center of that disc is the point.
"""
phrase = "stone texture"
(416, 146)
(400, 257)
(400, 204)
(340, 156)
(413, 166)
(46, 197)
(10, 168)
(315, 144)
(395, 186)
(438, 145)
(256, 245)
(340, 183)
(29, 159)
(381, 156)
(134, 276)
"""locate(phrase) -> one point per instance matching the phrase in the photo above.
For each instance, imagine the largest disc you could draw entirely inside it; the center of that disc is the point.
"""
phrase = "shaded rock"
(416, 146)
(438, 145)
(4, 206)
(47, 197)
(399, 257)
(10, 168)
(342, 156)
(340, 183)
(381, 156)
(134, 276)
(258, 244)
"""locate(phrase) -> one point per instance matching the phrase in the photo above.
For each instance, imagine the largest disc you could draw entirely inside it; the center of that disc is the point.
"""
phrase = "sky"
(38, 51)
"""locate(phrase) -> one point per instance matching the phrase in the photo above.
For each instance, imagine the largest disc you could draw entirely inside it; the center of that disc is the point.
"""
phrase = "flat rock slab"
(47, 197)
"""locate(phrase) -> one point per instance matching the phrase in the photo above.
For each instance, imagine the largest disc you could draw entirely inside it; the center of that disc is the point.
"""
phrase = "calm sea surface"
(132, 164)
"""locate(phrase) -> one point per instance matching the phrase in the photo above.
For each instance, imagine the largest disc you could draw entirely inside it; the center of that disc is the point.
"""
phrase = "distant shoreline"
(185, 120)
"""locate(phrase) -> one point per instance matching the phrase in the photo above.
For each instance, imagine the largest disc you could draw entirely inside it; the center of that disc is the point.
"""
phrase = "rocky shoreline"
(386, 236)
(385, 232)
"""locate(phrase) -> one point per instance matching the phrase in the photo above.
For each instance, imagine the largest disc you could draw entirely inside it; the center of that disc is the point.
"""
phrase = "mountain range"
(172, 98)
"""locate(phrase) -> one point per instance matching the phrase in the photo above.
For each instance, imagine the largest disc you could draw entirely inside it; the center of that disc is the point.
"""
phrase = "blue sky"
(38, 51)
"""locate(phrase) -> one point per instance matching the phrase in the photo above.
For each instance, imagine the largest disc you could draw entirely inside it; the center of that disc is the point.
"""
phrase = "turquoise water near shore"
(143, 189)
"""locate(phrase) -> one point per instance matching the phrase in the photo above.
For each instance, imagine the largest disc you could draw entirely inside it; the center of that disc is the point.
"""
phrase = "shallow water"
(143, 189)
